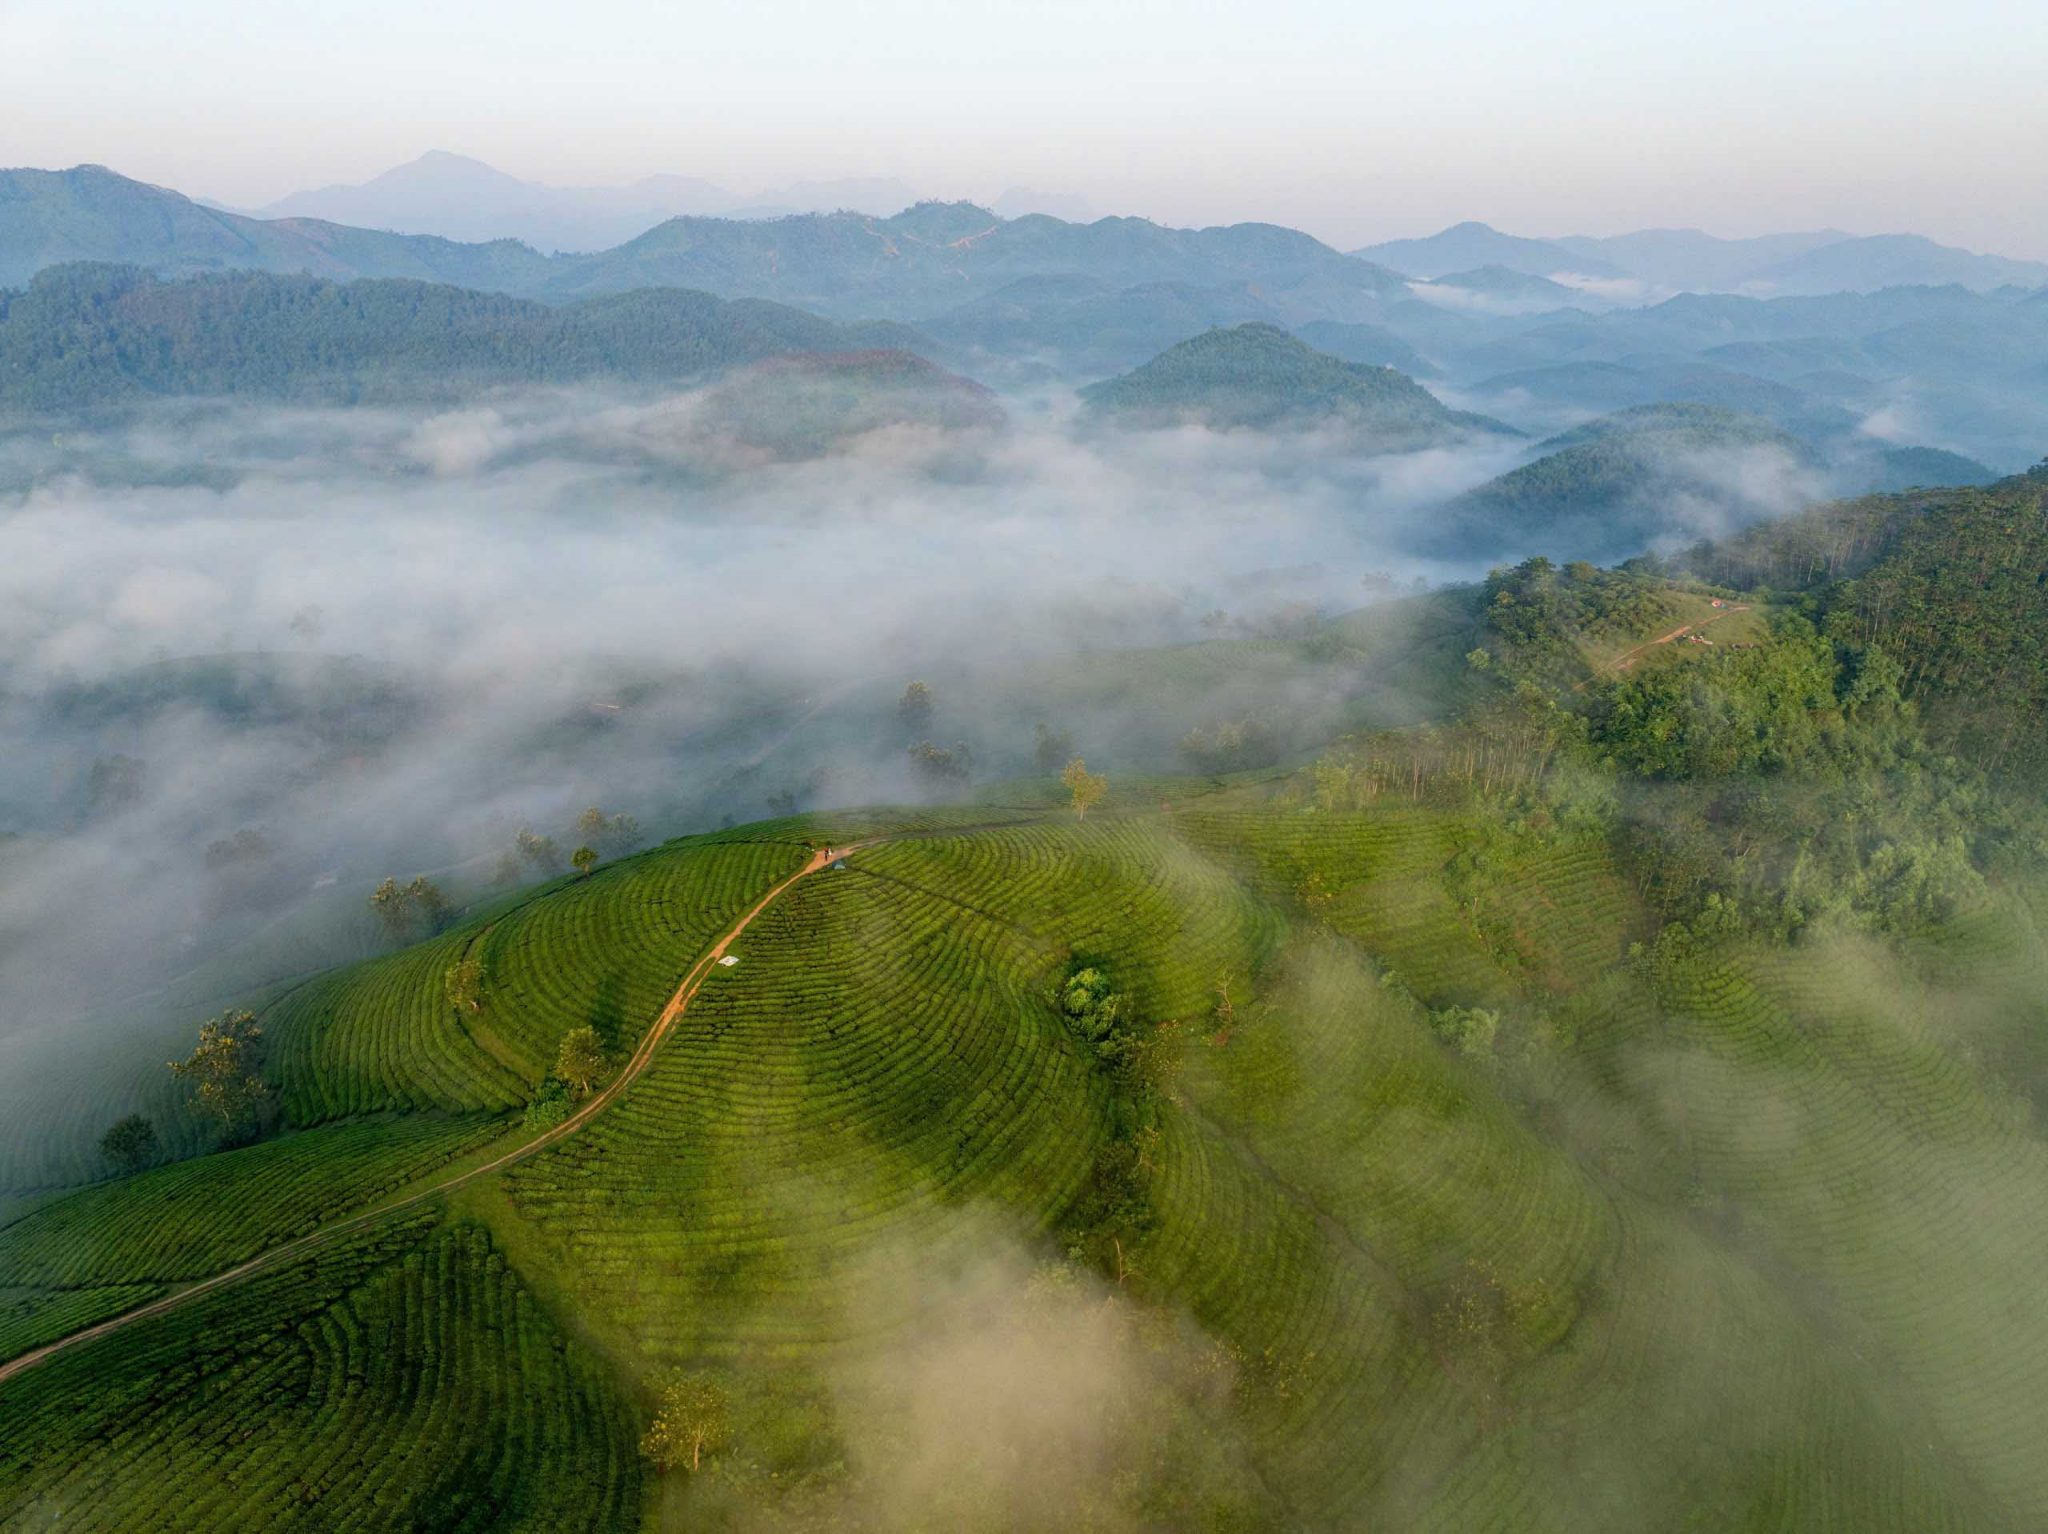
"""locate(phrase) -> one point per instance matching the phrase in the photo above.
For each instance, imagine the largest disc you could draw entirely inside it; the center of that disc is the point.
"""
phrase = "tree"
(540, 851)
(464, 983)
(1053, 748)
(131, 1144)
(581, 1060)
(224, 1069)
(610, 834)
(432, 909)
(583, 859)
(113, 785)
(1085, 787)
(408, 911)
(690, 1422)
(914, 708)
(940, 764)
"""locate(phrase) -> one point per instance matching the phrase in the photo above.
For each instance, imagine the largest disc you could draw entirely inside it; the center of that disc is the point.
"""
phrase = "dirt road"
(1621, 661)
(596, 1104)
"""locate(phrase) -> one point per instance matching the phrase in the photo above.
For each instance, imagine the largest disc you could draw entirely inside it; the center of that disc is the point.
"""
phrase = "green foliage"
(131, 1144)
(1052, 750)
(1541, 615)
(85, 335)
(1770, 709)
(538, 852)
(693, 1419)
(1470, 1031)
(583, 860)
(581, 1059)
(464, 983)
(942, 765)
(411, 911)
(225, 1070)
(1606, 487)
(549, 1106)
(1231, 745)
(1698, 1209)
(612, 835)
(1085, 789)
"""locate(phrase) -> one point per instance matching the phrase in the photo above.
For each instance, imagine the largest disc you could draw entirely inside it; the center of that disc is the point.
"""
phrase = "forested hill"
(1258, 377)
(85, 335)
(1953, 584)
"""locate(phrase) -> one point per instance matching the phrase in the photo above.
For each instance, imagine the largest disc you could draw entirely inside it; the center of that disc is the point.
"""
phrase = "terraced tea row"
(403, 1379)
(603, 951)
(875, 1065)
(1864, 1149)
(102, 1250)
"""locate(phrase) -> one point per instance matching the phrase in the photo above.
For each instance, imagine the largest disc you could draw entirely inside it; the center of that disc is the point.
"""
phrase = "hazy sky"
(1355, 120)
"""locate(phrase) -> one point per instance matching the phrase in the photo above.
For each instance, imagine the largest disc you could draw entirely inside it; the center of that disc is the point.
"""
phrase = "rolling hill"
(1643, 475)
(1257, 377)
(1424, 1135)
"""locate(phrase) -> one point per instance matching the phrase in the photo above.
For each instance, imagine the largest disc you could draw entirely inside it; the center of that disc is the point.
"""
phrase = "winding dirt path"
(1621, 662)
(642, 1057)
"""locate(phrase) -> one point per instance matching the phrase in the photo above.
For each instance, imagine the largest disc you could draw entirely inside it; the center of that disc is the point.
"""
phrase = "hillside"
(89, 213)
(1954, 583)
(1622, 482)
(1889, 261)
(1257, 377)
(1417, 1137)
(798, 407)
(92, 335)
(1465, 247)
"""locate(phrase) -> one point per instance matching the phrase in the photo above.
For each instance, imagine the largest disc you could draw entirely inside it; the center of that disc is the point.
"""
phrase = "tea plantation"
(1387, 1166)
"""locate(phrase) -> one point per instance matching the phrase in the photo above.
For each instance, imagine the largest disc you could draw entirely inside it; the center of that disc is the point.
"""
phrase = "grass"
(1722, 621)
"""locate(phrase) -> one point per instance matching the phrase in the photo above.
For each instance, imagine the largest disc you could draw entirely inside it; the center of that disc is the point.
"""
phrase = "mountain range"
(923, 260)
(460, 198)
(1657, 263)
(1037, 300)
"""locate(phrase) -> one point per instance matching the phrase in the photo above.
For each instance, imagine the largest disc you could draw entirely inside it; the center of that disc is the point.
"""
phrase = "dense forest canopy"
(90, 335)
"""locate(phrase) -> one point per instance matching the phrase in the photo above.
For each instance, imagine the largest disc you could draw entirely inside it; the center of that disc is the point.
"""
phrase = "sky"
(1358, 121)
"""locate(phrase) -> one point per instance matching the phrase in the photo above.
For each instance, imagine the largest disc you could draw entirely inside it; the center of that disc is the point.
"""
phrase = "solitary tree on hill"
(413, 910)
(583, 859)
(540, 851)
(223, 1069)
(581, 1060)
(914, 708)
(612, 834)
(690, 1422)
(1053, 748)
(1085, 787)
(131, 1144)
(465, 984)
